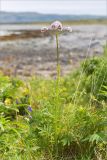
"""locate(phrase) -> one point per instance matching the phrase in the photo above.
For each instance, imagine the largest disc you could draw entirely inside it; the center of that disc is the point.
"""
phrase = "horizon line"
(53, 13)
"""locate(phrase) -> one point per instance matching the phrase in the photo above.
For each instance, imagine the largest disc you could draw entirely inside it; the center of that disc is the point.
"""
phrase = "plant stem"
(57, 48)
(58, 65)
(57, 108)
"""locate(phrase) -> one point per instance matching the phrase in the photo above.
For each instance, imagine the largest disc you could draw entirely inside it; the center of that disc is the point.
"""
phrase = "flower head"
(29, 108)
(44, 29)
(69, 29)
(30, 117)
(56, 27)
(17, 101)
(8, 101)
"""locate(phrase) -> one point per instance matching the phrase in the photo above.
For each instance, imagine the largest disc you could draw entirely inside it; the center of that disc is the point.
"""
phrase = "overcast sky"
(95, 7)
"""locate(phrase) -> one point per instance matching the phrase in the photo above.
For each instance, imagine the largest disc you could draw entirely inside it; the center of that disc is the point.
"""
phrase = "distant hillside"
(22, 17)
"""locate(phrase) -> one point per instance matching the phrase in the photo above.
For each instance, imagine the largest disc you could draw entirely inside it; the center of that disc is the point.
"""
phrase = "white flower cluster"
(56, 27)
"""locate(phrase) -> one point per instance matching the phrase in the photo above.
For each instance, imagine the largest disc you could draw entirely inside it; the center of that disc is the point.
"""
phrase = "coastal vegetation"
(43, 120)
(57, 118)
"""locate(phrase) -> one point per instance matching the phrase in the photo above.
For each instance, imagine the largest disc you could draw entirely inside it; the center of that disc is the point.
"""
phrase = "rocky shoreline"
(34, 53)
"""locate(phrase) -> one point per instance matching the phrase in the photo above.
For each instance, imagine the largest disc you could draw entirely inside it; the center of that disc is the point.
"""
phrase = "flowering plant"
(56, 28)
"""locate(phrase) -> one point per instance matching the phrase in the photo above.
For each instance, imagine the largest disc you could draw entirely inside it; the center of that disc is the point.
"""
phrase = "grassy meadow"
(56, 119)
